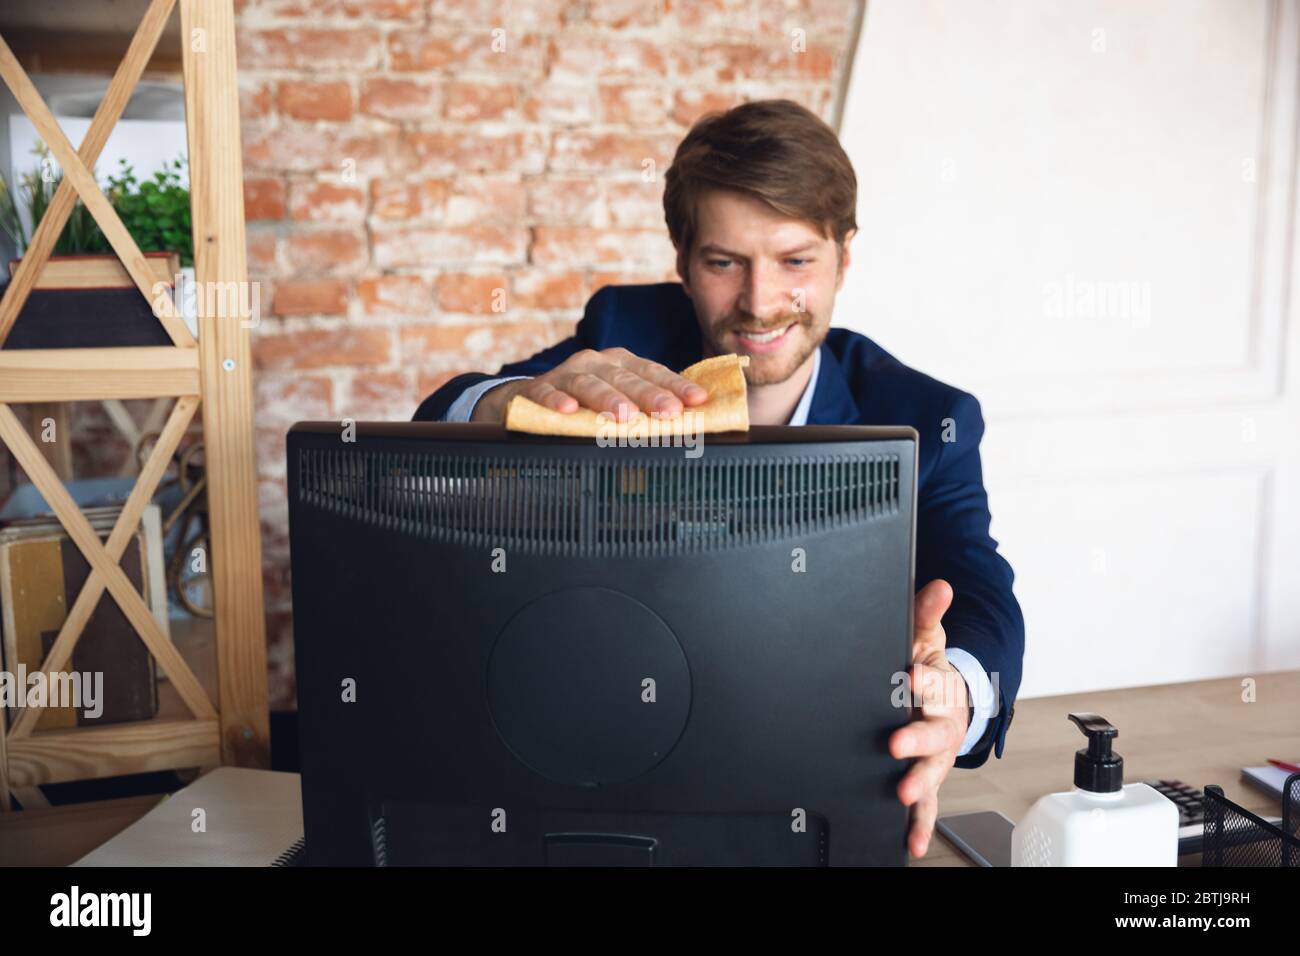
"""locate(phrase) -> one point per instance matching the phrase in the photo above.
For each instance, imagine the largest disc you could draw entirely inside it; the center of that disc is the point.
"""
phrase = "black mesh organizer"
(1236, 837)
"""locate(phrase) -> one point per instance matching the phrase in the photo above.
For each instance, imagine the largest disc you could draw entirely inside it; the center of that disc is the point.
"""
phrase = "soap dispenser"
(1101, 822)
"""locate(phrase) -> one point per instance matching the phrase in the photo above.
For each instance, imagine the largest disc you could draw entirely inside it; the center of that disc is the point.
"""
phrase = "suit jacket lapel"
(832, 402)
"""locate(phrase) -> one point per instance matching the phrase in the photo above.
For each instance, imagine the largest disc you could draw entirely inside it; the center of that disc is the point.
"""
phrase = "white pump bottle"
(1101, 822)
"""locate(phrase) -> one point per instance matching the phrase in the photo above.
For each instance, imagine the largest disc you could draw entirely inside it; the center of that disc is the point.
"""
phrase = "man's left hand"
(937, 736)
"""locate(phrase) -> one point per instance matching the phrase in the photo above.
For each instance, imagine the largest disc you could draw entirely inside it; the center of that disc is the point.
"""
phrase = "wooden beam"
(5, 805)
(62, 835)
(32, 103)
(106, 115)
(216, 191)
(74, 375)
(87, 753)
(58, 452)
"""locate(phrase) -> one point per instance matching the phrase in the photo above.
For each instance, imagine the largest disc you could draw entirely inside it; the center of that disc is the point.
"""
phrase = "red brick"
(829, 22)
(472, 294)
(479, 199)
(268, 443)
(261, 248)
(396, 200)
(535, 16)
(471, 102)
(428, 382)
(412, 10)
(322, 149)
(398, 99)
(342, 346)
(314, 50)
(730, 62)
(315, 101)
(564, 201)
(408, 10)
(397, 247)
(380, 396)
(562, 104)
(255, 100)
(727, 17)
(365, 154)
(272, 501)
(422, 52)
(690, 104)
(547, 290)
(395, 297)
(300, 8)
(447, 152)
(326, 202)
(327, 251)
(273, 508)
(467, 50)
(310, 297)
(577, 58)
(623, 13)
(630, 104)
(612, 152)
(636, 203)
(567, 245)
(263, 199)
(289, 149)
(502, 340)
(282, 399)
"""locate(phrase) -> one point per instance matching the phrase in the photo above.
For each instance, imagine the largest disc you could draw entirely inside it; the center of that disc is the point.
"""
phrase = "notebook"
(1269, 779)
(249, 818)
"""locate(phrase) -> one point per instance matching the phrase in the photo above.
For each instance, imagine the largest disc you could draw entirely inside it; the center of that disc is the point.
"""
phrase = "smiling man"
(760, 204)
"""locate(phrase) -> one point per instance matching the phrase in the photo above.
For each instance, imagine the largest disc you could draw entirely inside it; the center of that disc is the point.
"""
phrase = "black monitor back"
(514, 650)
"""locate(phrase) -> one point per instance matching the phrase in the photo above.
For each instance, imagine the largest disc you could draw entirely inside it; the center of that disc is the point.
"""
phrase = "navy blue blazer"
(859, 383)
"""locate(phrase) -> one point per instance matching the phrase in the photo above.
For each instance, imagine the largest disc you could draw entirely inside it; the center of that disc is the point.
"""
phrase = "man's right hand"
(611, 380)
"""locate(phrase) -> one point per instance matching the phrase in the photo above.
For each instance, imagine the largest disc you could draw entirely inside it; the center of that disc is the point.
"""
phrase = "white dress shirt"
(978, 686)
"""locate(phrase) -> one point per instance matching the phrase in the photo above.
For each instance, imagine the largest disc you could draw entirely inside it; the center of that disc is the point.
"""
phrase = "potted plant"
(84, 297)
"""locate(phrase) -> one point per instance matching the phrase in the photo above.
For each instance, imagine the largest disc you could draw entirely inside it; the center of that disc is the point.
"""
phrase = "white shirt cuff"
(981, 692)
(463, 407)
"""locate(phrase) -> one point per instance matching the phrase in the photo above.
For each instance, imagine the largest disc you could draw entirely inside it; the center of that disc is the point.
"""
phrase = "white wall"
(1083, 213)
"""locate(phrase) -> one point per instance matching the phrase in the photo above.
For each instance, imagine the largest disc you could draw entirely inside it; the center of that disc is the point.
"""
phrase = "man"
(760, 205)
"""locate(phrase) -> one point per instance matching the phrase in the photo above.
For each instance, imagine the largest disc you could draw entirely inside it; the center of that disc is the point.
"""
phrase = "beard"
(774, 368)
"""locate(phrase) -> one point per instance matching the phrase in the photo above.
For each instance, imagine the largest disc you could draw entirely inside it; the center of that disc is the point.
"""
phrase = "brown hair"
(774, 150)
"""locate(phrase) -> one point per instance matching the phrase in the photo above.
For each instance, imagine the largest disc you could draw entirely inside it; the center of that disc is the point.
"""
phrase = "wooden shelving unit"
(211, 375)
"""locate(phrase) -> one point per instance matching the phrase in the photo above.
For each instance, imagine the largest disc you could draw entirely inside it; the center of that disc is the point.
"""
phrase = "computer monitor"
(517, 650)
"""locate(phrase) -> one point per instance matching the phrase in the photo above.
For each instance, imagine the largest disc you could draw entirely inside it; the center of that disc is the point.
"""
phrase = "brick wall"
(421, 204)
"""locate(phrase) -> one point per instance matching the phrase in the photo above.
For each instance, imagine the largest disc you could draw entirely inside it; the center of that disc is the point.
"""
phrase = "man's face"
(762, 285)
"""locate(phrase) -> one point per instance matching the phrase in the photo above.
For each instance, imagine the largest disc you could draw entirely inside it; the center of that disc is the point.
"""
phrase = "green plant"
(37, 189)
(156, 212)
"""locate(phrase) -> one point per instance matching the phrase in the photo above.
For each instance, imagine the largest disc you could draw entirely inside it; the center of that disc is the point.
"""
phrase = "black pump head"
(1096, 768)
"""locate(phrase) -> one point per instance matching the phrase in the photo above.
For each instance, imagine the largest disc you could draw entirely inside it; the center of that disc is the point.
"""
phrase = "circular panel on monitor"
(568, 691)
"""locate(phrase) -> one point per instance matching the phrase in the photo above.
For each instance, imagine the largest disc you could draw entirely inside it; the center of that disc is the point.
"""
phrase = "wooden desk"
(57, 836)
(1200, 733)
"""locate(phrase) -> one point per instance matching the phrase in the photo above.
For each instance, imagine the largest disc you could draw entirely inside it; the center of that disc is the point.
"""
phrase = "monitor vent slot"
(599, 508)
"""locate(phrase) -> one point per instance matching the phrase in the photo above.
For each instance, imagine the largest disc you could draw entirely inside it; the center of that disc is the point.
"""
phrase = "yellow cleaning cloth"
(726, 410)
